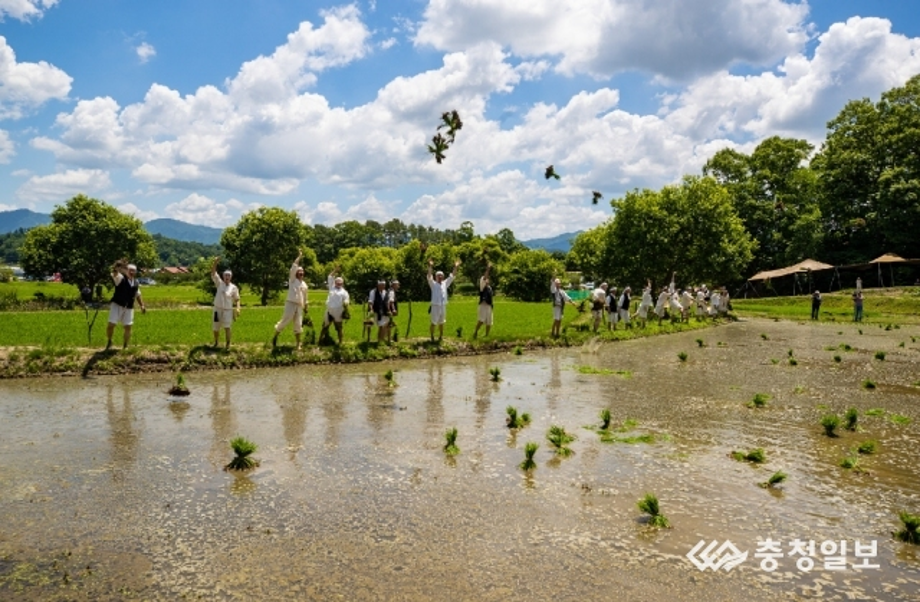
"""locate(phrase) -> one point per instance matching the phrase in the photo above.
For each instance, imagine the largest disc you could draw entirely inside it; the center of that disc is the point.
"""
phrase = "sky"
(201, 111)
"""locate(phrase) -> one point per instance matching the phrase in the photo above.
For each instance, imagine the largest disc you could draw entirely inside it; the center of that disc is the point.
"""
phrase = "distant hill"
(177, 230)
(10, 221)
(563, 242)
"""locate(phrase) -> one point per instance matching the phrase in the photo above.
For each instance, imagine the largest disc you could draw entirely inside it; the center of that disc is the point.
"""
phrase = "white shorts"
(293, 312)
(676, 308)
(438, 314)
(557, 312)
(383, 321)
(222, 318)
(643, 311)
(659, 311)
(485, 314)
(333, 315)
(624, 316)
(613, 317)
(121, 315)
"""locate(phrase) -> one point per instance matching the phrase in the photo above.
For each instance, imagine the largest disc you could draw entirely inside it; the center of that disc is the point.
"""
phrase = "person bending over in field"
(560, 298)
(226, 302)
(485, 303)
(439, 285)
(296, 303)
(127, 290)
(336, 304)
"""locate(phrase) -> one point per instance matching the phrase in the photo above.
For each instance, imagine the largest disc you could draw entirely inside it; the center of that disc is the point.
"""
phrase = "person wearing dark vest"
(815, 305)
(393, 310)
(485, 302)
(624, 306)
(377, 302)
(127, 290)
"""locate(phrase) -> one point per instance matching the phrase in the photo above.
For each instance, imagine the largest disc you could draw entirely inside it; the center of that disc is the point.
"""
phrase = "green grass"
(649, 505)
(775, 479)
(875, 412)
(759, 401)
(850, 462)
(852, 419)
(603, 371)
(605, 419)
(899, 419)
(560, 439)
(830, 422)
(868, 384)
(867, 447)
(515, 420)
(755, 456)
(892, 305)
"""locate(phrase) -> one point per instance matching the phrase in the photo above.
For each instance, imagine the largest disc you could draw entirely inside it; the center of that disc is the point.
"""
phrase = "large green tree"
(527, 274)
(691, 228)
(261, 247)
(869, 175)
(362, 268)
(589, 253)
(85, 237)
(776, 196)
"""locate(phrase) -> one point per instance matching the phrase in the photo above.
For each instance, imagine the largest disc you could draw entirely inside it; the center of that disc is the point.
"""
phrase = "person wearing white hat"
(560, 298)
(598, 301)
(127, 291)
(336, 304)
(226, 302)
(486, 301)
(378, 304)
(438, 285)
(296, 303)
(645, 304)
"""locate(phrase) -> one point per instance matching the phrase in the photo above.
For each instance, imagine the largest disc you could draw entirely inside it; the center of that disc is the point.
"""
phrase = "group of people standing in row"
(671, 302)
(857, 303)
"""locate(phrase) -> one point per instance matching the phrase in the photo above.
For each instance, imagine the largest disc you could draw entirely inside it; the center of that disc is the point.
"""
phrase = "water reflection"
(223, 423)
(294, 406)
(124, 436)
(334, 400)
(484, 387)
(434, 407)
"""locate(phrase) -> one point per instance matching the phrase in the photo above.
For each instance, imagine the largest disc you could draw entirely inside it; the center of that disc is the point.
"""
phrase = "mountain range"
(10, 221)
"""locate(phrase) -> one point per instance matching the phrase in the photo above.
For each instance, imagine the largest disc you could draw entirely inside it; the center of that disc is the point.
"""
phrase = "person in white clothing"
(296, 303)
(715, 301)
(686, 302)
(439, 285)
(393, 310)
(336, 304)
(723, 302)
(645, 304)
(701, 303)
(662, 304)
(623, 303)
(613, 313)
(598, 300)
(486, 301)
(378, 304)
(127, 291)
(226, 302)
(560, 298)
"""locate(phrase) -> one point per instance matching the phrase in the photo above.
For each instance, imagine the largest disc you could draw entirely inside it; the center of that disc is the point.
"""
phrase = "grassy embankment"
(171, 338)
(880, 306)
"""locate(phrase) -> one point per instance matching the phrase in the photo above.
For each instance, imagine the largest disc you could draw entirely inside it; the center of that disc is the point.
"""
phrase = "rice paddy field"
(114, 490)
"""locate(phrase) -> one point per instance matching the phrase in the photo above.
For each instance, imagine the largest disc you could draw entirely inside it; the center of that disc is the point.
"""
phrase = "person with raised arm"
(296, 303)
(439, 285)
(336, 304)
(226, 302)
(127, 291)
(485, 302)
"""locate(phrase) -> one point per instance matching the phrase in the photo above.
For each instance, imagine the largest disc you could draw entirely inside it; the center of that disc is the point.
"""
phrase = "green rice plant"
(759, 401)
(913, 339)
(632, 440)
(628, 425)
(496, 374)
(243, 460)
(721, 344)
(390, 378)
(700, 343)
(850, 462)
(774, 361)
(775, 479)
(899, 419)
(830, 422)
(830, 348)
(764, 336)
(916, 383)
(529, 450)
(868, 384)
(793, 361)
(911, 531)
(790, 353)
(450, 445)
(515, 421)
(880, 355)
(649, 505)
(860, 331)
(605, 419)
(867, 447)
(888, 327)
(799, 389)
(682, 356)
(755, 456)
(838, 359)
(839, 332)
(874, 412)
(901, 344)
(560, 440)
(852, 419)
(846, 347)
(518, 350)
(179, 389)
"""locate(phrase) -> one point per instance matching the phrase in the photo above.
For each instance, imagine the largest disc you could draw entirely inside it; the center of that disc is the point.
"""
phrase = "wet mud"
(112, 490)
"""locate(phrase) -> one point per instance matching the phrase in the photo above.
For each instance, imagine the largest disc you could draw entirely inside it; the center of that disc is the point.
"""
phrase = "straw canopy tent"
(803, 267)
(892, 260)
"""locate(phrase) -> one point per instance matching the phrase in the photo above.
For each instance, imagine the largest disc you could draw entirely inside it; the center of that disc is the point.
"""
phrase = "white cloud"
(141, 214)
(199, 209)
(602, 37)
(64, 185)
(145, 52)
(21, 173)
(25, 9)
(388, 43)
(329, 213)
(25, 86)
(7, 147)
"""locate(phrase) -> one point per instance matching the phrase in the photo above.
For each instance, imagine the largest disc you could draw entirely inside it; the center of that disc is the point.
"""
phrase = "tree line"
(855, 199)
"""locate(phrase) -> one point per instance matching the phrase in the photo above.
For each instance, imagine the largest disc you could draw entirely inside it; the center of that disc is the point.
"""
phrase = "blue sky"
(203, 110)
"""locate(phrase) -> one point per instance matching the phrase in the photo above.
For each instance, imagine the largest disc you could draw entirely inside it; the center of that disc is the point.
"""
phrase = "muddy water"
(112, 491)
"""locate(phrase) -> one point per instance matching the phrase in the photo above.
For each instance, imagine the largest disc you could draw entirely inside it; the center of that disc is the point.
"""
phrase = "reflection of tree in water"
(333, 408)
(123, 433)
(223, 423)
(434, 407)
(483, 394)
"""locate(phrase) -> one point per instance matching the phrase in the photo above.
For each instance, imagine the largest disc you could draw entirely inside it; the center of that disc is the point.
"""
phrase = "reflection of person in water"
(434, 407)
(123, 434)
(483, 394)
(223, 423)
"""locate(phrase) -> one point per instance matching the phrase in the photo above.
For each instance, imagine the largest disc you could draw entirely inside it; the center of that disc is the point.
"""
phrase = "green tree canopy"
(362, 269)
(589, 253)
(691, 228)
(527, 275)
(85, 237)
(261, 247)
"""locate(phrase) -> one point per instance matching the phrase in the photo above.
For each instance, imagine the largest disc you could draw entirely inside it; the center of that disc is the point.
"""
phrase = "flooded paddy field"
(112, 491)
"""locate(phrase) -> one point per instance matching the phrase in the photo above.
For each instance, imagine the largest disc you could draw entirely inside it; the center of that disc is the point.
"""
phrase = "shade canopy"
(808, 265)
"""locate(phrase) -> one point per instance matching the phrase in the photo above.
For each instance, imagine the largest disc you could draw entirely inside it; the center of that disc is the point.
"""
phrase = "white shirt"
(646, 298)
(686, 299)
(716, 300)
(599, 295)
(560, 297)
(439, 289)
(227, 294)
(338, 297)
(662, 299)
(297, 289)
